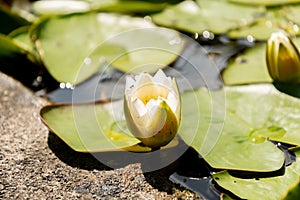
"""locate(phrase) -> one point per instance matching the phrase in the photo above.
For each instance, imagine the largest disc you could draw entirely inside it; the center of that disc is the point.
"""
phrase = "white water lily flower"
(152, 108)
(283, 58)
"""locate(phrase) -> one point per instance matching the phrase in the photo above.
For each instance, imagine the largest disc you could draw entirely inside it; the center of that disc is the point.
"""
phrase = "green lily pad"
(273, 21)
(21, 35)
(160, 48)
(279, 187)
(231, 128)
(206, 16)
(249, 66)
(87, 127)
(292, 13)
(66, 42)
(266, 2)
(98, 127)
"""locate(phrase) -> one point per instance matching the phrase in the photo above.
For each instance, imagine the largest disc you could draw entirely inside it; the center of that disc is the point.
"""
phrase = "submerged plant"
(283, 58)
(152, 108)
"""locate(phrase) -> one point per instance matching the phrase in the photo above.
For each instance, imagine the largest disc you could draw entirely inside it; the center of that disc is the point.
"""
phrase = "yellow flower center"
(149, 91)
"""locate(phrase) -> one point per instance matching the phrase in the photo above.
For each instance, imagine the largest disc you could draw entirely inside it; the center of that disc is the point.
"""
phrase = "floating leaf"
(231, 128)
(278, 187)
(266, 2)
(292, 12)
(98, 127)
(273, 21)
(152, 49)
(231, 16)
(87, 127)
(206, 16)
(249, 67)
(66, 55)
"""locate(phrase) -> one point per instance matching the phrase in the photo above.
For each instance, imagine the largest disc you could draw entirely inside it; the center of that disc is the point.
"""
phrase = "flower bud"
(283, 59)
(152, 108)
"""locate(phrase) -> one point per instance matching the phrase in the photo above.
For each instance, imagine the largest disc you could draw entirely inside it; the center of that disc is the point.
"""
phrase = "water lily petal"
(283, 58)
(142, 79)
(152, 108)
(138, 108)
(158, 117)
(151, 91)
(129, 113)
(163, 127)
(161, 78)
(130, 83)
(147, 119)
(177, 94)
(173, 102)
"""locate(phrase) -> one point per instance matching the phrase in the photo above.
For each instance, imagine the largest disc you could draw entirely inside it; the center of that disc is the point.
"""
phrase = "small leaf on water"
(96, 40)
(250, 67)
(119, 132)
(273, 21)
(278, 187)
(292, 13)
(86, 127)
(202, 16)
(229, 127)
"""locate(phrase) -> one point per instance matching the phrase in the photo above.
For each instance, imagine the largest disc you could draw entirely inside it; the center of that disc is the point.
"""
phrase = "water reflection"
(202, 186)
(250, 38)
(208, 35)
(66, 85)
(175, 41)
